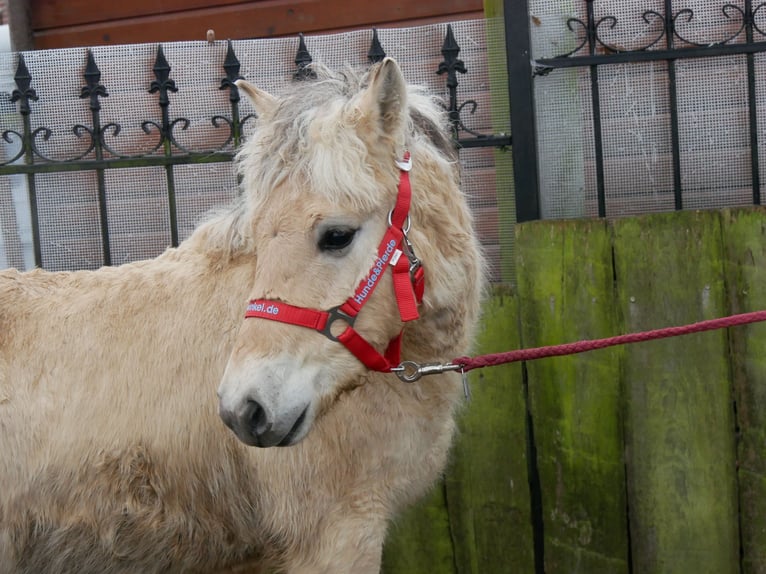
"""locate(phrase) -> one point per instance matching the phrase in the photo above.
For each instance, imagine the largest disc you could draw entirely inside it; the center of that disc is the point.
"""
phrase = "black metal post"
(521, 95)
(752, 105)
(93, 90)
(163, 84)
(673, 97)
(23, 94)
(595, 95)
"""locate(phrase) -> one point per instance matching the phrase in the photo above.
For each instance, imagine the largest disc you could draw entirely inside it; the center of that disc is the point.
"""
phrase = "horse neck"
(204, 288)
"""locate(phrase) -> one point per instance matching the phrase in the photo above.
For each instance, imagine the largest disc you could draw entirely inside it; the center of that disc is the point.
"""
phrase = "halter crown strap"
(409, 284)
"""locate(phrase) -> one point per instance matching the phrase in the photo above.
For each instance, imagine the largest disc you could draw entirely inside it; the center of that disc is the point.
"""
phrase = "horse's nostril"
(257, 419)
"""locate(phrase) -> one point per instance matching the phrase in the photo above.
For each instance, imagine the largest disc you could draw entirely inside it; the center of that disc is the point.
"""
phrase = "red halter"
(409, 284)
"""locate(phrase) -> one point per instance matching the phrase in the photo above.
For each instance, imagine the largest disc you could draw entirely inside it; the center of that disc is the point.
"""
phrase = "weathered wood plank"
(745, 252)
(483, 524)
(487, 483)
(61, 13)
(566, 293)
(679, 417)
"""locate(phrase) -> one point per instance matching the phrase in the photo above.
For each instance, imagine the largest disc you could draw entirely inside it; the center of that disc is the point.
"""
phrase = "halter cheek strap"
(395, 251)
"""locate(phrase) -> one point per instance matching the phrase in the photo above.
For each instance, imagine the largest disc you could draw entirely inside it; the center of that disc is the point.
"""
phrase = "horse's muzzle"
(255, 426)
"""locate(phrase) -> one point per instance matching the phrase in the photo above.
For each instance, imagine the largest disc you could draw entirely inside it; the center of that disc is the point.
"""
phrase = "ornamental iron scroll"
(451, 66)
(101, 147)
(669, 34)
(669, 43)
(103, 139)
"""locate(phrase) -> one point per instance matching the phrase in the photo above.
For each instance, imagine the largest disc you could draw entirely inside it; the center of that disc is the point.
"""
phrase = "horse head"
(327, 209)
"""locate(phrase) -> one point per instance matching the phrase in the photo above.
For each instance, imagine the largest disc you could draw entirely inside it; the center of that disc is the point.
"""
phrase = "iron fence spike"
(24, 92)
(94, 89)
(231, 66)
(303, 59)
(376, 53)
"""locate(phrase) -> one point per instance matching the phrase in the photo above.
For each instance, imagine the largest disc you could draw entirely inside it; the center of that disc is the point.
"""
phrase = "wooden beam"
(255, 19)
(19, 19)
(488, 483)
(48, 14)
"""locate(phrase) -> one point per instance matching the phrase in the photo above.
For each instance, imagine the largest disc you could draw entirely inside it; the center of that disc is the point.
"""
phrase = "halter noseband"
(409, 284)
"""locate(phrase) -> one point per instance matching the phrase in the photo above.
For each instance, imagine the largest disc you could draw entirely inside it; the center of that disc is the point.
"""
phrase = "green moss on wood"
(501, 123)
(483, 524)
(487, 483)
(680, 429)
(566, 293)
(744, 233)
(675, 458)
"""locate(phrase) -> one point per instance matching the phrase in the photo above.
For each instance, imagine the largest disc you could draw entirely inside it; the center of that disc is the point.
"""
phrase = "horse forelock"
(310, 141)
(316, 142)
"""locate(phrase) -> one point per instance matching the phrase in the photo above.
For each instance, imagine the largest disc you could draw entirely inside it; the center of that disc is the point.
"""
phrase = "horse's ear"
(385, 99)
(264, 103)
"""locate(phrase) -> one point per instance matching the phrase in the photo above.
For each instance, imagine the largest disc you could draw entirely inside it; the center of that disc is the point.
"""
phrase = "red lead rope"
(466, 364)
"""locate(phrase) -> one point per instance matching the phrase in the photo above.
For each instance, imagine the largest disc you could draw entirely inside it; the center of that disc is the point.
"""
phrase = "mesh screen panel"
(68, 212)
(635, 110)
(137, 197)
(14, 229)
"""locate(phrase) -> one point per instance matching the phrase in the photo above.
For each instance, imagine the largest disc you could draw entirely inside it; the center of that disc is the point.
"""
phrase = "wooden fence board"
(679, 419)
(483, 524)
(745, 250)
(566, 293)
(487, 483)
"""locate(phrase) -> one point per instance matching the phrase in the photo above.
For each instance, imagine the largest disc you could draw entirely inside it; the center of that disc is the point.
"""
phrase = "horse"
(158, 417)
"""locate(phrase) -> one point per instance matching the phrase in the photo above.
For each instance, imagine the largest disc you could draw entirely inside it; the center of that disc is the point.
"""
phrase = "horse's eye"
(336, 239)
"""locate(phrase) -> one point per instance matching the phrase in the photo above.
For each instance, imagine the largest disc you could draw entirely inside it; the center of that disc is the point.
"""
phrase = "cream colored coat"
(112, 455)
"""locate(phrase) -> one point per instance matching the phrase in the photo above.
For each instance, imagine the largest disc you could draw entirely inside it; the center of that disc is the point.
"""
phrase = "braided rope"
(470, 363)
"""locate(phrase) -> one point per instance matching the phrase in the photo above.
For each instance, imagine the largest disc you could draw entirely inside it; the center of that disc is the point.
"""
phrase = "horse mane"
(302, 142)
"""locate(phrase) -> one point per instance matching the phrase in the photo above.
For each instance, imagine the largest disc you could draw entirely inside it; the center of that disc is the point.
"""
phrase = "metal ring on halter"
(335, 314)
(405, 227)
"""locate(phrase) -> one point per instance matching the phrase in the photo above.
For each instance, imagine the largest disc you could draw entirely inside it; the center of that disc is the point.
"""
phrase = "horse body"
(113, 457)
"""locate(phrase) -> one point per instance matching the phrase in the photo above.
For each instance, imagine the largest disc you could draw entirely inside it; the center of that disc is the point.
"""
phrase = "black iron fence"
(670, 43)
(102, 152)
